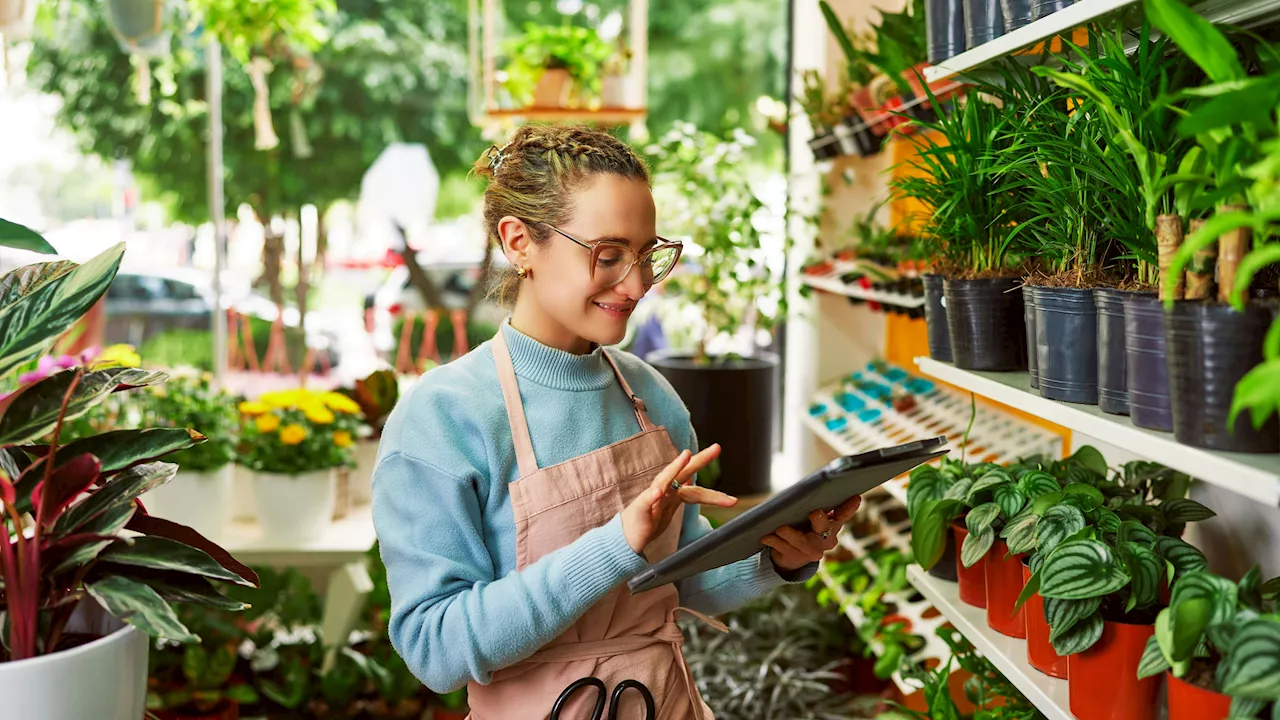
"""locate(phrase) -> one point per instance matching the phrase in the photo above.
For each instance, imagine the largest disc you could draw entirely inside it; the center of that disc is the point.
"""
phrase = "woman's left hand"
(793, 549)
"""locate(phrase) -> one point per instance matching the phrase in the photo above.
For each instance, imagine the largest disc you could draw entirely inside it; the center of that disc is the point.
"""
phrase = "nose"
(632, 286)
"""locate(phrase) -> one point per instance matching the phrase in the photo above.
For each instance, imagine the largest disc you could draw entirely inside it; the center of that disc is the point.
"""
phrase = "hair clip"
(497, 156)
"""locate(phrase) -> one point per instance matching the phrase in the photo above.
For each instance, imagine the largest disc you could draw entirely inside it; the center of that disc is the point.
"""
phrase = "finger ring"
(825, 534)
(675, 485)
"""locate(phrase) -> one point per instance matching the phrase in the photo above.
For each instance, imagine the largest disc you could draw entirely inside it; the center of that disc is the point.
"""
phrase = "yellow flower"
(253, 408)
(280, 398)
(338, 402)
(267, 423)
(318, 414)
(342, 439)
(292, 434)
(121, 355)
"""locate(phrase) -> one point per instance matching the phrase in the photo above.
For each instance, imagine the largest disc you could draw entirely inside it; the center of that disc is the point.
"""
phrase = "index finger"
(847, 509)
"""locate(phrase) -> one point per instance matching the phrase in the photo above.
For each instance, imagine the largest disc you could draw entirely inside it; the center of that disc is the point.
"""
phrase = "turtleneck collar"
(555, 368)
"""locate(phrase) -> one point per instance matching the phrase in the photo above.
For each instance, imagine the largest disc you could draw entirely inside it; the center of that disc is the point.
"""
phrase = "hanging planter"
(1066, 342)
(1113, 379)
(986, 323)
(1149, 403)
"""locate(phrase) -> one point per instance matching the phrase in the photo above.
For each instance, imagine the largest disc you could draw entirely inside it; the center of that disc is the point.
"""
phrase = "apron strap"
(525, 458)
(642, 414)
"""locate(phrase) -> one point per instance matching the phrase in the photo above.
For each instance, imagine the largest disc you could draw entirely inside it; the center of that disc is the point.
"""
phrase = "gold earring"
(522, 272)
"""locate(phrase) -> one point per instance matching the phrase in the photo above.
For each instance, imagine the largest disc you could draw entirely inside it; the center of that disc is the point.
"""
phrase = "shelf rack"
(831, 282)
(1253, 476)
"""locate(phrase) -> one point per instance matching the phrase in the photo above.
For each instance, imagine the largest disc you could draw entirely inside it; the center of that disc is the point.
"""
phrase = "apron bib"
(623, 636)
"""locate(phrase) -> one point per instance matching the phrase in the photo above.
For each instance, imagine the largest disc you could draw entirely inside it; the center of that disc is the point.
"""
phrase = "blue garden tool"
(598, 713)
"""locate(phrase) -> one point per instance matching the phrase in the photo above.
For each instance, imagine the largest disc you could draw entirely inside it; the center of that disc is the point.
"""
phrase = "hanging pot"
(17, 17)
(1044, 8)
(1149, 403)
(1016, 14)
(552, 90)
(986, 323)
(295, 509)
(945, 568)
(1040, 652)
(983, 22)
(1103, 681)
(944, 23)
(1211, 346)
(973, 580)
(1192, 702)
(1066, 343)
(844, 135)
(825, 147)
(865, 142)
(935, 318)
(1004, 584)
(139, 26)
(1029, 319)
(1113, 380)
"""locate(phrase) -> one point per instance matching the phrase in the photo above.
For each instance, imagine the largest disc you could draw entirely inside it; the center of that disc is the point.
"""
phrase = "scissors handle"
(650, 713)
(576, 685)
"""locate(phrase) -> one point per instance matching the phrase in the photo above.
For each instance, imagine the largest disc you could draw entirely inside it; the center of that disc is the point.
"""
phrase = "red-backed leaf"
(7, 494)
(159, 527)
(82, 547)
(50, 497)
(120, 490)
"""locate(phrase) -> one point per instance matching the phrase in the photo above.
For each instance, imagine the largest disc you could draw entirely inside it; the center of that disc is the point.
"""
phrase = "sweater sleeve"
(451, 620)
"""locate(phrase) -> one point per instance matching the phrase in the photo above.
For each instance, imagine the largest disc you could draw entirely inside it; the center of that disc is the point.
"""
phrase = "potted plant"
(937, 506)
(89, 574)
(200, 681)
(815, 104)
(852, 112)
(553, 66)
(376, 396)
(294, 441)
(730, 277)
(200, 495)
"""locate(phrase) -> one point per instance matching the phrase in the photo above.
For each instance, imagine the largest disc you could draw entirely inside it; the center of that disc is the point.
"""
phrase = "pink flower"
(34, 376)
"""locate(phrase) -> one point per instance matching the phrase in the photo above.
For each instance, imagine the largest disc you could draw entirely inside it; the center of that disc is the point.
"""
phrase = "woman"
(521, 485)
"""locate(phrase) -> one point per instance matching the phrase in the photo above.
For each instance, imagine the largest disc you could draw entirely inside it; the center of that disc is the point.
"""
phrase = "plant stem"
(1168, 240)
(1201, 270)
(1232, 247)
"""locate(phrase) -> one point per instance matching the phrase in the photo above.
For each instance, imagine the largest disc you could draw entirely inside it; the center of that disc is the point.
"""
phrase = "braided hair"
(534, 176)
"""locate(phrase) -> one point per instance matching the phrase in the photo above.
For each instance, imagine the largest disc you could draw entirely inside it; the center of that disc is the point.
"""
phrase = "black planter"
(1016, 13)
(983, 22)
(1113, 380)
(935, 319)
(865, 142)
(1211, 346)
(945, 569)
(944, 20)
(1067, 344)
(1149, 404)
(1044, 8)
(1029, 319)
(986, 324)
(825, 147)
(731, 402)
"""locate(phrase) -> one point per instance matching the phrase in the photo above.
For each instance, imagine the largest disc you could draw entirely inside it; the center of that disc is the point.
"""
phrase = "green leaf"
(929, 532)
(1020, 535)
(1081, 637)
(1200, 585)
(29, 278)
(141, 607)
(1010, 499)
(160, 553)
(959, 490)
(21, 237)
(991, 480)
(1062, 615)
(1029, 588)
(1180, 629)
(1081, 569)
(980, 518)
(1146, 570)
(1046, 501)
(195, 663)
(1087, 456)
(1183, 510)
(976, 546)
(192, 589)
(122, 489)
(1258, 391)
(243, 694)
(1271, 589)
(1056, 525)
(1184, 557)
(34, 410)
(118, 449)
(1253, 661)
(1245, 708)
(924, 486)
(1132, 531)
(1196, 37)
(1249, 589)
(1258, 259)
(1153, 661)
(1037, 483)
(1108, 521)
(1088, 491)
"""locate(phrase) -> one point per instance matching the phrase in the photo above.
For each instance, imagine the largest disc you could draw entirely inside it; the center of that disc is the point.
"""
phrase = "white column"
(217, 203)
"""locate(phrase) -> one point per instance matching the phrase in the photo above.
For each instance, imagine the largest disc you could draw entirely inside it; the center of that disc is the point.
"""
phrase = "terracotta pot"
(1103, 681)
(1004, 585)
(973, 580)
(1040, 652)
(552, 90)
(1192, 702)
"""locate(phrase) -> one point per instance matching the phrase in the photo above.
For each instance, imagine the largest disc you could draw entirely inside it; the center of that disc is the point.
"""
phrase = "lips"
(616, 309)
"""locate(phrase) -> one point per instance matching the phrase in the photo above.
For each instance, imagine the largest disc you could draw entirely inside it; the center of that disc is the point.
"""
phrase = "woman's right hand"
(649, 514)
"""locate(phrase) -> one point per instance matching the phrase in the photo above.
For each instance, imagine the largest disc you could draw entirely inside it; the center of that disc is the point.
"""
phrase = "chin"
(606, 331)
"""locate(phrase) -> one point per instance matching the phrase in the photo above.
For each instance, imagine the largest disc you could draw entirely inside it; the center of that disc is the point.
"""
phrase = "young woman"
(521, 485)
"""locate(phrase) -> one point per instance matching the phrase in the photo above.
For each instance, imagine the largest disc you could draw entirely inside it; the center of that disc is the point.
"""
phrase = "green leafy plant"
(993, 696)
(935, 497)
(290, 432)
(200, 677)
(190, 401)
(579, 50)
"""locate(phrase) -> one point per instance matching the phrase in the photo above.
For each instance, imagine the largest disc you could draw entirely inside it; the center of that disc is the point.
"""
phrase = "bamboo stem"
(1232, 247)
(1200, 272)
(1168, 240)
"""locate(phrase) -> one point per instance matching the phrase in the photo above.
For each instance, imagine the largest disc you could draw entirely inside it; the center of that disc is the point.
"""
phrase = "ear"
(517, 240)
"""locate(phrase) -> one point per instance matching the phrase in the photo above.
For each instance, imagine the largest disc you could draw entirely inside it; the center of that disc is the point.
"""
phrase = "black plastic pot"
(1149, 404)
(1016, 13)
(983, 22)
(825, 147)
(1067, 344)
(1044, 8)
(986, 323)
(944, 21)
(945, 569)
(1211, 346)
(865, 142)
(1113, 381)
(935, 319)
(734, 403)
(1029, 318)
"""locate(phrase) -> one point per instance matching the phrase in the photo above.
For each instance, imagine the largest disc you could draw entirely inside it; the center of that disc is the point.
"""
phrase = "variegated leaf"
(1081, 569)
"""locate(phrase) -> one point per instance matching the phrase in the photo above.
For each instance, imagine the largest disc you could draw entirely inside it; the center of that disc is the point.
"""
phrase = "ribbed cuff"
(599, 560)
(799, 575)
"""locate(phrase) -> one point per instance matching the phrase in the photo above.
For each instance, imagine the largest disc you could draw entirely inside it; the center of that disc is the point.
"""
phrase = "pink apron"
(623, 636)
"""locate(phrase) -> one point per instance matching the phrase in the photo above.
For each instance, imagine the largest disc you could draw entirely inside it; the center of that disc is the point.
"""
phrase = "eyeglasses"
(611, 261)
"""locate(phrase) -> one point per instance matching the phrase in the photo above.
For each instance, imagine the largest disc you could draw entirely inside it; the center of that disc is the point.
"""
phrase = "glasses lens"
(612, 263)
(658, 264)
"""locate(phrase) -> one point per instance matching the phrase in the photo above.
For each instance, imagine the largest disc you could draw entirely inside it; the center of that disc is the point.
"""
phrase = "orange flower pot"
(973, 580)
(1192, 702)
(1004, 585)
(1103, 681)
(1040, 652)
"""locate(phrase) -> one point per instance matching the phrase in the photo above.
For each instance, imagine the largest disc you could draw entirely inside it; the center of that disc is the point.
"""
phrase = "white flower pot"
(613, 91)
(244, 504)
(105, 679)
(201, 501)
(362, 476)
(295, 509)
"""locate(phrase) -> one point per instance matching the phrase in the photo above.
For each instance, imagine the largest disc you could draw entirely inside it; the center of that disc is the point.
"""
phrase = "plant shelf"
(831, 282)
(1009, 655)
(1254, 476)
(345, 540)
(602, 116)
(1073, 16)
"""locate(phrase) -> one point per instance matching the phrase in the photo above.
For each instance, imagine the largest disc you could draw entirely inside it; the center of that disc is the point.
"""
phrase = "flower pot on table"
(1103, 681)
(199, 500)
(935, 318)
(244, 503)
(986, 323)
(103, 679)
(361, 477)
(1192, 702)
(1113, 378)
(1066, 342)
(1040, 652)
(1004, 584)
(973, 580)
(1149, 403)
(294, 509)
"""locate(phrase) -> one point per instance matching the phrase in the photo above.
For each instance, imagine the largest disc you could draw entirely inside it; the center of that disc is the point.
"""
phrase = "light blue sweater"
(459, 608)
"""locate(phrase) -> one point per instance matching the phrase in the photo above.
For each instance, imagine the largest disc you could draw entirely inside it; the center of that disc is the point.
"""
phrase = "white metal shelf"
(1076, 15)
(1254, 476)
(1009, 655)
(831, 282)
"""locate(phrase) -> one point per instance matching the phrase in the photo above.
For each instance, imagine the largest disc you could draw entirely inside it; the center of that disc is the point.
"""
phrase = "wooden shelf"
(602, 116)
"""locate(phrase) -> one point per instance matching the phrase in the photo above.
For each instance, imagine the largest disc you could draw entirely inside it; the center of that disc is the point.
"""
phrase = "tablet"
(824, 489)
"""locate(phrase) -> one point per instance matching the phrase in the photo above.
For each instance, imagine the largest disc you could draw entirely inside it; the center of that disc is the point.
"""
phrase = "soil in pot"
(986, 323)
(1211, 346)
(983, 22)
(1004, 585)
(1029, 319)
(1148, 386)
(1040, 652)
(945, 568)
(1189, 700)
(1016, 13)
(1103, 681)
(1113, 379)
(1066, 343)
(935, 319)
(944, 22)
(973, 580)
(1044, 8)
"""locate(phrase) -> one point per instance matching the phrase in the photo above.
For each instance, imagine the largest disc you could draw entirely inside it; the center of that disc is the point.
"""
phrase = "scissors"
(598, 713)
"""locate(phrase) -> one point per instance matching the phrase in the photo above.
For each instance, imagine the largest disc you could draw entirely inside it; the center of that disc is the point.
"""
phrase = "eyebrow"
(624, 241)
